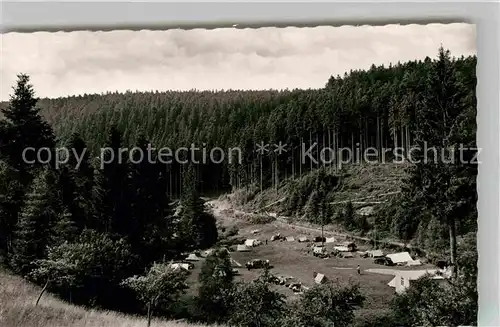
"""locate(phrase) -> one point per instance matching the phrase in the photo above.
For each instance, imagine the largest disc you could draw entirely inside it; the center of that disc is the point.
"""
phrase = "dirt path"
(219, 206)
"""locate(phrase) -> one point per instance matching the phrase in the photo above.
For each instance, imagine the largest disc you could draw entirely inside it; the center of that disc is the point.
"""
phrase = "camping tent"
(330, 240)
(350, 245)
(341, 248)
(193, 257)
(400, 257)
(347, 255)
(179, 266)
(251, 243)
(402, 279)
(290, 239)
(320, 279)
(303, 239)
(366, 211)
(242, 248)
(375, 253)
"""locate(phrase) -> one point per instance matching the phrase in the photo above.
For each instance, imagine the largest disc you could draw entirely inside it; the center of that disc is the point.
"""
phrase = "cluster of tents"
(343, 250)
(188, 262)
(248, 245)
(399, 259)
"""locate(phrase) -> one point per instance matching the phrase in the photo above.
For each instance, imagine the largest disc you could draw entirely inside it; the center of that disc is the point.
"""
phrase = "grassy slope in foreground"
(17, 309)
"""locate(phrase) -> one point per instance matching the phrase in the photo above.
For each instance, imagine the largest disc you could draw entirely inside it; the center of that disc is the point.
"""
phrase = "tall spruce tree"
(110, 203)
(34, 230)
(21, 128)
(149, 228)
(82, 175)
(437, 185)
(199, 228)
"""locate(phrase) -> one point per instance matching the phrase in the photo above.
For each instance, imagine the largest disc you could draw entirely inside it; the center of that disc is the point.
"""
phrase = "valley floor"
(296, 260)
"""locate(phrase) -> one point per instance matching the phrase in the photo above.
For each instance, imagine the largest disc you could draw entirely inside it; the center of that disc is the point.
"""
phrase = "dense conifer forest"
(95, 233)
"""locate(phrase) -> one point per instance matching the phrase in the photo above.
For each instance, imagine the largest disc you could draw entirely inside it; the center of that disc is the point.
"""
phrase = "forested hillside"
(86, 231)
(382, 108)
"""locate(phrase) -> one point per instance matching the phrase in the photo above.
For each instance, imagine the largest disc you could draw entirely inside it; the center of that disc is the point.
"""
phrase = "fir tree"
(34, 230)
(149, 228)
(22, 127)
(110, 203)
(82, 175)
(198, 226)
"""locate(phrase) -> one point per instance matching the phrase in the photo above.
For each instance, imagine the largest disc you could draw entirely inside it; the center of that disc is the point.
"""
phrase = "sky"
(72, 63)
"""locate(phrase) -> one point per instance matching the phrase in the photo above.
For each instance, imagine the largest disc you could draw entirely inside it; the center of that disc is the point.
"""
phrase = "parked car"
(383, 261)
(257, 264)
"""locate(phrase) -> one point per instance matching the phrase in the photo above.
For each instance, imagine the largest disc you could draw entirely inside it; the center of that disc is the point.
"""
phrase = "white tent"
(341, 248)
(251, 243)
(347, 255)
(303, 239)
(400, 257)
(402, 279)
(242, 248)
(375, 253)
(366, 211)
(330, 240)
(290, 239)
(193, 257)
(179, 266)
(320, 278)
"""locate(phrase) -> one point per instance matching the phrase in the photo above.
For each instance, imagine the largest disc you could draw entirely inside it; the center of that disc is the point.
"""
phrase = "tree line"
(97, 236)
(376, 108)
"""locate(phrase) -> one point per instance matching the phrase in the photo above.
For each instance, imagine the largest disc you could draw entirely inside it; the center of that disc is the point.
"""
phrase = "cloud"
(65, 63)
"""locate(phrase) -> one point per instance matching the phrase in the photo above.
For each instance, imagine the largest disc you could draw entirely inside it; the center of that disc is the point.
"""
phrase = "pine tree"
(110, 203)
(198, 226)
(149, 228)
(34, 230)
(11, 191)
(66, 229)
(82, 175)
(22, 127)
(434, 183)
(348, 216)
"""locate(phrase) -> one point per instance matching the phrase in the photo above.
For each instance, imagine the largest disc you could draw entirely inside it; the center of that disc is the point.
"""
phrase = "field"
(17, 309)
(292, 259)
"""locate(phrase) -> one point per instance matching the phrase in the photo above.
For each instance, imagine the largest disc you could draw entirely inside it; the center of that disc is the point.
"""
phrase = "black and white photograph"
(249, 177)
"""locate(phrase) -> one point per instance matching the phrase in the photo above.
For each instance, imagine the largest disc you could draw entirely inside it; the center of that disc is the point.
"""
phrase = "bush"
(159, 287)
(261, 219)
(216, 287)
(327, 305)
(233, 231)
(255, 304)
